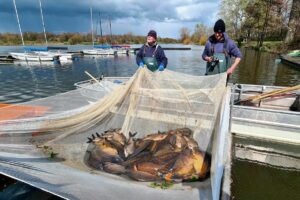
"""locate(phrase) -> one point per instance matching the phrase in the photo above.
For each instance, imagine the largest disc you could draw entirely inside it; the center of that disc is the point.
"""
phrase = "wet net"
(148, 103)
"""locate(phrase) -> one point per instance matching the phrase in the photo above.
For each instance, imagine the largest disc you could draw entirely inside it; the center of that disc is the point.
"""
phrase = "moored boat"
(96, 51)
(295, 53)
(62, 56)
(36, 57)
(121, 49)
(293, 61)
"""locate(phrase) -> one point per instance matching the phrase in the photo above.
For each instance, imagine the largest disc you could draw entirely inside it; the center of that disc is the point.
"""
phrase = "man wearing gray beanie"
(218, 51)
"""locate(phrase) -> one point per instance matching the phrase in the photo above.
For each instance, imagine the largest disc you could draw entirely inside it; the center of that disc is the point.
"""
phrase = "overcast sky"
(136, 16)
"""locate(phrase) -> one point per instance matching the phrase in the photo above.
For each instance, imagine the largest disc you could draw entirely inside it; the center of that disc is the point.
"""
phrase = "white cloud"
(197, 11)
(167, 16)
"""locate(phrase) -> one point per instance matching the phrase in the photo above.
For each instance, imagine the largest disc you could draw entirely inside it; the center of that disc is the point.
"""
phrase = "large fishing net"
(151, 120)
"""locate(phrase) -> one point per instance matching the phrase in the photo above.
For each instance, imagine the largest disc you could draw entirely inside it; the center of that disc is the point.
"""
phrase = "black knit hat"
(219, 26)
(152, 33)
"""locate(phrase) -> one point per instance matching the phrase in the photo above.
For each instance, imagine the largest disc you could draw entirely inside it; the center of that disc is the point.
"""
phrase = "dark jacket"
(147, 51)
(231, 47)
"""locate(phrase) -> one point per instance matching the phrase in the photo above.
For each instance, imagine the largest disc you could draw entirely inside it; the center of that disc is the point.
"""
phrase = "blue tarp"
(57, 48)
(45, 48)
(109, 46)
(120, 46)
(116, 46)
(102, 46)
(36, 48)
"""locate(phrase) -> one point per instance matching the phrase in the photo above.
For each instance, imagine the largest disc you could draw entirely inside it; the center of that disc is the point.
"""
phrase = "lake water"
(23, 82)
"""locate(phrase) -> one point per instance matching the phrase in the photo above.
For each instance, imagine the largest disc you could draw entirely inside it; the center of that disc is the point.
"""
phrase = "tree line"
(198, 36)
(255, 21)
(32, 38)
(262, 20)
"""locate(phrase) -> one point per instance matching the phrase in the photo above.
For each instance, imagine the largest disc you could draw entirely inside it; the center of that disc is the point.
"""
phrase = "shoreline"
(274, 47)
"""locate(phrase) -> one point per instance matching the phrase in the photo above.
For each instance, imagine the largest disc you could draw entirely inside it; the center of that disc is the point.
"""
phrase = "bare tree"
(185, 35)
(233, 13)
(294, 24)
(201, 32)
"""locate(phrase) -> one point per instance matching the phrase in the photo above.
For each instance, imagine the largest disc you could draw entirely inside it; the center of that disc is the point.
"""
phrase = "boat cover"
(36, 48)
(57, 48)
(102, 46)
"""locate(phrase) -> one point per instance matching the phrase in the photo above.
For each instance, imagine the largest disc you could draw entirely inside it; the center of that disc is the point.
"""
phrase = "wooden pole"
(93, 77)
(269, 94)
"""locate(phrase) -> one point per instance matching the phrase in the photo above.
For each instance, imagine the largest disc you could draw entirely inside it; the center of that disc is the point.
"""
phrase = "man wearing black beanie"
(151, 54)
(219, 26)
(218, 51)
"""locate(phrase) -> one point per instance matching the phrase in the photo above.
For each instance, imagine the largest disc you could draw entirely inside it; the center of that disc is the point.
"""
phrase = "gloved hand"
(161, 67)
(141, 64)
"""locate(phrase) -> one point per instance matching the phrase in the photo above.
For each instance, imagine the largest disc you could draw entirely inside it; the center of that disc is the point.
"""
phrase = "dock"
(5, 59)
(138, 48)
(76, 52)
(169, 48)
(289, 60)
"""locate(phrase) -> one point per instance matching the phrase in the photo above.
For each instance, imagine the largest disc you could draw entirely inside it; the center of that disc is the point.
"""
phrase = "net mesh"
(148, 102)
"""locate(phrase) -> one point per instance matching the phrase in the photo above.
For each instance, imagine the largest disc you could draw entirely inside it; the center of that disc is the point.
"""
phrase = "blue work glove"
(141, 64)
(161, 67)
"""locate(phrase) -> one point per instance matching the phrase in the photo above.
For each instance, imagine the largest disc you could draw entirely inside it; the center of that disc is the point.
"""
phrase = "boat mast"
(96, 29)
(110, 30)
(91, 11)
(43, 22)
(100, 27)
(19, 23)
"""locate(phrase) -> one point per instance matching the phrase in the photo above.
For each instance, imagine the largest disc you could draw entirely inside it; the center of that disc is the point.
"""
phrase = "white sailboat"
(98, 50)
(62, 56)
(28, 56)
(121, 49)
(32, 56)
